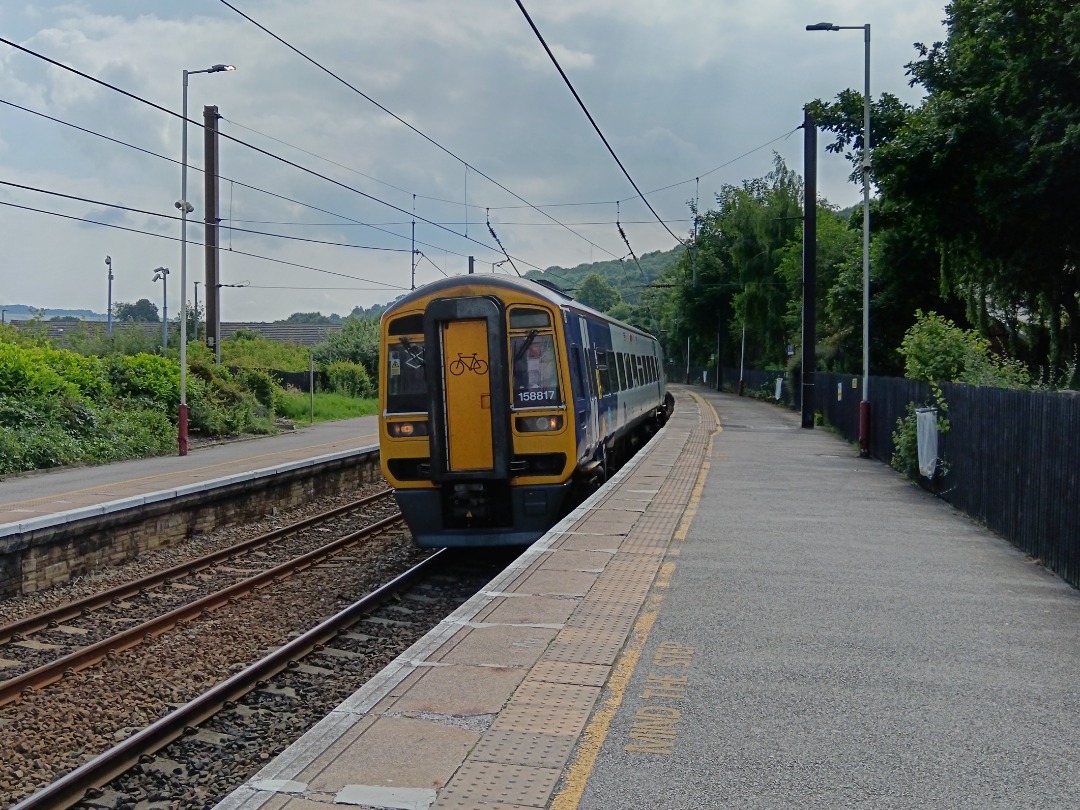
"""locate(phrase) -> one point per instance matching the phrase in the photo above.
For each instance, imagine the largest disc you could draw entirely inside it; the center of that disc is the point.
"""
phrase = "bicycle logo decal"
(468, 363)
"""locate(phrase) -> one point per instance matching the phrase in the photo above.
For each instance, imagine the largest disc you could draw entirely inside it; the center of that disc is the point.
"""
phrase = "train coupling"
(469, 503)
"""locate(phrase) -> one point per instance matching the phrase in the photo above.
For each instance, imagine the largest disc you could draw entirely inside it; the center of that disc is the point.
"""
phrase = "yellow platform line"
(577, 776)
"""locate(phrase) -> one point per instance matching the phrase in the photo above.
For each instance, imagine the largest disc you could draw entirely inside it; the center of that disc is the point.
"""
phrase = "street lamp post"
(196, 310)
(864, 405)
(185, 209)
(108, 263)
(162, 273)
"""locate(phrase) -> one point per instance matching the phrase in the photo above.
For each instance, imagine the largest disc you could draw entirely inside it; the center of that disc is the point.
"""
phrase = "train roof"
(544, 290)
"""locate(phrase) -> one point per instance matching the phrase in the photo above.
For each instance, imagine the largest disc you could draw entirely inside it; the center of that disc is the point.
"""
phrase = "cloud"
(677, 88)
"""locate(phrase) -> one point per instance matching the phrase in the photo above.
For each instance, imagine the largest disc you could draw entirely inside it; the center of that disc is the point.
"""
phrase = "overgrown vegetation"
(115, 397)
(937, 351)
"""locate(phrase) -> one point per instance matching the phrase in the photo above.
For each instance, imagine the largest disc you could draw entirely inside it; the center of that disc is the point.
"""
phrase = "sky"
(691, 96)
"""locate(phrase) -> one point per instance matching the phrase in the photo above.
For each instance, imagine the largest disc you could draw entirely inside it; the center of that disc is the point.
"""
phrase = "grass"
(296, 405)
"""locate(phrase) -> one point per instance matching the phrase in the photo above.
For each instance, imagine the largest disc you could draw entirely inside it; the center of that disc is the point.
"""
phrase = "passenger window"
(602, 372)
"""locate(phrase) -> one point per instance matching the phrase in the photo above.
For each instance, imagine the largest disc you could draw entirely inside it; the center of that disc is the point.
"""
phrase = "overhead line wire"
(592, 120)
(347, 168)
(239, 182)
(401, 120)
(234, 139)
(174, 217)
(190, 242)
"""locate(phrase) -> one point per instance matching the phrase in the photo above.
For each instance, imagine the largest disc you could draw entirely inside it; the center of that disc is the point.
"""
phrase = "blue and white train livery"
(503, 402)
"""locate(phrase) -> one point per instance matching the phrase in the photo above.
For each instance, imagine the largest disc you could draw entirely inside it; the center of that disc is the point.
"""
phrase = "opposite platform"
(48, 497)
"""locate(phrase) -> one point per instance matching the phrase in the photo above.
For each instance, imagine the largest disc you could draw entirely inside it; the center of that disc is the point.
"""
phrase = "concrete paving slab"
(399, 752)
(528, 609)
(497, 645)
(459, 689)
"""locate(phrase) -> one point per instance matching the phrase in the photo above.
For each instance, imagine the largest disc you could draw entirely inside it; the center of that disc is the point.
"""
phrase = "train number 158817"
(536, 396)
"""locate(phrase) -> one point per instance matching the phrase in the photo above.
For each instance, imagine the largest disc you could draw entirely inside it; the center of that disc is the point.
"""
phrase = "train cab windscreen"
(534, 369)
(406, 382)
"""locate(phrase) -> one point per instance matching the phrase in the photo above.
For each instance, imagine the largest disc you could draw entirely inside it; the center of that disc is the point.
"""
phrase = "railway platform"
(747, 616)
(56, 496)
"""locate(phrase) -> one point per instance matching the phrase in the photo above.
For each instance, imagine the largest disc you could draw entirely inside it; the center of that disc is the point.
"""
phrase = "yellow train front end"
(475, 433)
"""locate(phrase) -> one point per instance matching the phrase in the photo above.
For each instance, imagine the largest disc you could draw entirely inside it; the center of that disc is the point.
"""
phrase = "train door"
(468, 396)
(590, 394)
(468, 389)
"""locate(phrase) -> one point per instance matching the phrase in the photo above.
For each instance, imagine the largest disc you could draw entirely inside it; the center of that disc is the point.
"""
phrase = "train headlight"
(407, 430)
(538, 424)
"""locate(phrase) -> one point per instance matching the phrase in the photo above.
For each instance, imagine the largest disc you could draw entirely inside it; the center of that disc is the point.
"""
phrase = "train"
(503, 403)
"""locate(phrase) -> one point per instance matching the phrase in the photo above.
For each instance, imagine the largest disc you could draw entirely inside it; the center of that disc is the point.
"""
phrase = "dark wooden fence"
(1012, 458)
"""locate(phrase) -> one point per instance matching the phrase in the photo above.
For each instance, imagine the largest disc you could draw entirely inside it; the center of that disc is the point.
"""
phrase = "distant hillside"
(24, 312)
(622, 275)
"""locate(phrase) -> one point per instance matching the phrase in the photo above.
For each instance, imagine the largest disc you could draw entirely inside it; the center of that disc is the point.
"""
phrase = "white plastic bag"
(927, 434)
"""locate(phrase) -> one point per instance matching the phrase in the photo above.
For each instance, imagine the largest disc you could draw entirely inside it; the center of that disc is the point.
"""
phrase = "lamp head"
(108, 261)
(823, 26)
(220, 68)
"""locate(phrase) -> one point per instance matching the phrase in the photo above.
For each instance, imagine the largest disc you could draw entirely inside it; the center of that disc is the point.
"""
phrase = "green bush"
(348, 378)
(937, 350)
(25, 374)
(146, 378)
(246, 349)
(357, 342)
(262, 385)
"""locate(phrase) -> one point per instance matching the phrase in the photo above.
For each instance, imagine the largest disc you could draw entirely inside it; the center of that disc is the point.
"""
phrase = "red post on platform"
(182, 434)
(864, 428)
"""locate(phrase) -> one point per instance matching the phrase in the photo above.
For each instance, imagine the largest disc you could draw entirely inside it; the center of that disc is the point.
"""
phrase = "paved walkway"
(833, 637)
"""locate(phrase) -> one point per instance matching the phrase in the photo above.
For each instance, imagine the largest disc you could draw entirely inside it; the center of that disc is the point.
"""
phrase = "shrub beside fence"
(1012, 457)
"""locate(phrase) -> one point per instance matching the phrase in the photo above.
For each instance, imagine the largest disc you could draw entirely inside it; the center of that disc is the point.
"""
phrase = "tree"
(307, 317)
(735, 257)
(356, 342)
(596, 293)
(142, 311)
(984, 173)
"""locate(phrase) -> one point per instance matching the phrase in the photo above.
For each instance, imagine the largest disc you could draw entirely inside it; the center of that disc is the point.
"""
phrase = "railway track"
(40, 649)
(204, 749)
(52, 730)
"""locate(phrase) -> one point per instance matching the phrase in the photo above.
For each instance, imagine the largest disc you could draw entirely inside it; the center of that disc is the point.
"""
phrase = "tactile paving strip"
(474, 787)
(561, 672)
(548, 708)
(583, 645)
(517, 748)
